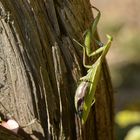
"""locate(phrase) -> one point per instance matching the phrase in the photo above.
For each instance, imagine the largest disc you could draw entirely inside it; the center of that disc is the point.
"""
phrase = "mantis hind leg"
(93, 102)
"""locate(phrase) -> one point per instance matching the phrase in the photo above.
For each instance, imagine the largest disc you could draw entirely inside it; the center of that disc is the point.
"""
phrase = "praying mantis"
(85, 92)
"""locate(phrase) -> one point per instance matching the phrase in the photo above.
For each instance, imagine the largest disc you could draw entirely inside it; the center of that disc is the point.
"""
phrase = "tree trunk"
(40, 67)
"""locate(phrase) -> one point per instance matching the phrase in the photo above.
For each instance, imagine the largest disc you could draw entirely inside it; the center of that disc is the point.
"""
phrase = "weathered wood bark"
(40, 66)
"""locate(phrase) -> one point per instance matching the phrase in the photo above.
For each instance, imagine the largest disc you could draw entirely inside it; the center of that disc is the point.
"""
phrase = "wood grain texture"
(41, 67)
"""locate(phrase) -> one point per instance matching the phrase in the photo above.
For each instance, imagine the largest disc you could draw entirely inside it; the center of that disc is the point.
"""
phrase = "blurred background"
(121, 19)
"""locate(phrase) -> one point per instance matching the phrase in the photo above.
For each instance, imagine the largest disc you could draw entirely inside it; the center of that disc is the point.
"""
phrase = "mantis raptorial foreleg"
(84, 96)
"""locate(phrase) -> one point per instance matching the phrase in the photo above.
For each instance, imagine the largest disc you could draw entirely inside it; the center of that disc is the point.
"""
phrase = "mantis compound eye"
(99, 43)
(80, 94)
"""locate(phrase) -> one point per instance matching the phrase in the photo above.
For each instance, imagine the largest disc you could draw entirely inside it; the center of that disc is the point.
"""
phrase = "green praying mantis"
(85, 93)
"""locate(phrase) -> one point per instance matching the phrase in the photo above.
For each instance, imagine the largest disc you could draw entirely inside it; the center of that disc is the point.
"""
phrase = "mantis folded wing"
(85, 93)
